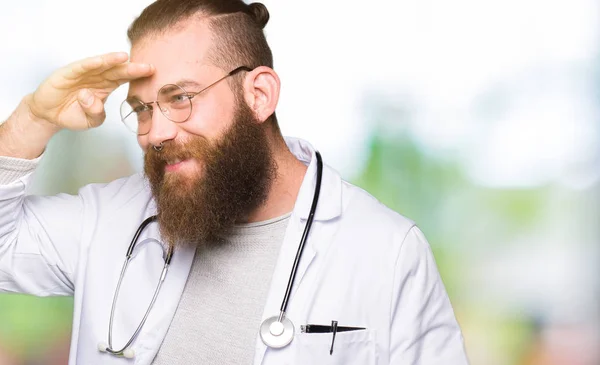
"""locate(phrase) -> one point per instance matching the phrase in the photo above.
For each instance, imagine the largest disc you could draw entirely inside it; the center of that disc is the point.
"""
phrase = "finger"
(97, 64)
(92, 106)
(128, 71)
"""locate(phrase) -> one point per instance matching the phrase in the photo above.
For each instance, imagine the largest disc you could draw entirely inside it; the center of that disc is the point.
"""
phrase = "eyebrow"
(184, 83)
(187, 82)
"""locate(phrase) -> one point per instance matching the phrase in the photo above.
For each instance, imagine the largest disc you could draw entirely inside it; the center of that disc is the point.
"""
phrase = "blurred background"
(477, 119)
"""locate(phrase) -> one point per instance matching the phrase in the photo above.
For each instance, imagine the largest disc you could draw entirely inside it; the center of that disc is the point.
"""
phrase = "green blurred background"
(476, 119)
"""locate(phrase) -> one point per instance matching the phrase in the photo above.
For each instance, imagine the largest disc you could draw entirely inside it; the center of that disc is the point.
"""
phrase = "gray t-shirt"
(219, 313)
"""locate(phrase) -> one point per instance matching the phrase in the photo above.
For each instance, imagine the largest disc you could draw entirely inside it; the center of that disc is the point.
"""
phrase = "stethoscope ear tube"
(126, 351)
(137, 234)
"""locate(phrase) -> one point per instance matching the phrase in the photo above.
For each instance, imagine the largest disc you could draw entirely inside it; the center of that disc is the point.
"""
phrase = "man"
(225, 201)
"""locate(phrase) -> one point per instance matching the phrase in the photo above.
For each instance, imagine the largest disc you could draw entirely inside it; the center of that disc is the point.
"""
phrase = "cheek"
(143, 142)
(210, 118)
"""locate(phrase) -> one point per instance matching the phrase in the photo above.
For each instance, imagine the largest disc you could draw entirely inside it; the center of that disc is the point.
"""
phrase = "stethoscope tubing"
(305, 234)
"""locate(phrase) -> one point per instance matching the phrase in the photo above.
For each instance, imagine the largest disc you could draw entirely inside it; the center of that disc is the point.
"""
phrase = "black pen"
(334, 330)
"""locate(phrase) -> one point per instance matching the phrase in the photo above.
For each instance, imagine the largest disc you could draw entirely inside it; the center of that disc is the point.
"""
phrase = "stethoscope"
(126, 351)
(275, 332)
(278, 331)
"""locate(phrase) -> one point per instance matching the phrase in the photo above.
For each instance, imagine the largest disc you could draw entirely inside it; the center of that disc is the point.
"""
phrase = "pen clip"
(334, 330)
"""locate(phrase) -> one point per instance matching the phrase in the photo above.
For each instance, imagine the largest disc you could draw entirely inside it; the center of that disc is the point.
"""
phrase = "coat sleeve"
(39, 236)
(424, 330)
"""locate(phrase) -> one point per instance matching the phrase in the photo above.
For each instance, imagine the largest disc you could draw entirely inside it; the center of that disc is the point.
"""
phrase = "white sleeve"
(424, 329)
(39, 236)
(12, 169)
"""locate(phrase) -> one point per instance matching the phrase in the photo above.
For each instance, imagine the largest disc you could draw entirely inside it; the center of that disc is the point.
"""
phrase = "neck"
(286, 184)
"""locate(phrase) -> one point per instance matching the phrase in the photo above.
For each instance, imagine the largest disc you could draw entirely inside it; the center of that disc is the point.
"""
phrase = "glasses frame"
(188, 95)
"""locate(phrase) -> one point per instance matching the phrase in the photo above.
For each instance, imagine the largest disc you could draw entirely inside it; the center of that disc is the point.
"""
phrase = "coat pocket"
(349, 348)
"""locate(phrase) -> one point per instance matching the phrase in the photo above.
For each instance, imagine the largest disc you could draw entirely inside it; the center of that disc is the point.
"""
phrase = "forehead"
(176, 54)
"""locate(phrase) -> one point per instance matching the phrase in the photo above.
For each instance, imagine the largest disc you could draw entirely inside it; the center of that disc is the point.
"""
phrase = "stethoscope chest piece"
(275, 333)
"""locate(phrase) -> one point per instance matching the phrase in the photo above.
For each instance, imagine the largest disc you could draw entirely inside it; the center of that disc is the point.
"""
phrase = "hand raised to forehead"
(73, 96)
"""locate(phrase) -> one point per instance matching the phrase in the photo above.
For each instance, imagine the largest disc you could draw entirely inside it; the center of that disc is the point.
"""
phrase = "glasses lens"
(136, 115)
(175, 103)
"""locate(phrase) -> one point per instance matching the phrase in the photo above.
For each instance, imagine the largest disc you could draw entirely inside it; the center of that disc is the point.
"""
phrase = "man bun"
(259, 13)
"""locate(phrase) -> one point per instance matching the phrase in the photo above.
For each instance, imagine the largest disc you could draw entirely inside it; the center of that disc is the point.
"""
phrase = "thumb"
(92, 106)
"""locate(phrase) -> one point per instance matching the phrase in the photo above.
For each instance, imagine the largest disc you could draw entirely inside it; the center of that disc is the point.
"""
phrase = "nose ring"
(158, 148)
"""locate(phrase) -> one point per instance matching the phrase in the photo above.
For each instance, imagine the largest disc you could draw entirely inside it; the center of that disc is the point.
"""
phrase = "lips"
(174, 161)
(175, 164)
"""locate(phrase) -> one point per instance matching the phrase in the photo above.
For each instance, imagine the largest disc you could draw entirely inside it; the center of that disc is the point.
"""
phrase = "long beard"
(236, 174)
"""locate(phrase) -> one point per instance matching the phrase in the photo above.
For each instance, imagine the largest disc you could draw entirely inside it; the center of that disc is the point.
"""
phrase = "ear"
(261, 91)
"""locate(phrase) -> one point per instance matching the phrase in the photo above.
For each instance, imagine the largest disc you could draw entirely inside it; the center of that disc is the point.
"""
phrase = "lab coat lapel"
(329, 207)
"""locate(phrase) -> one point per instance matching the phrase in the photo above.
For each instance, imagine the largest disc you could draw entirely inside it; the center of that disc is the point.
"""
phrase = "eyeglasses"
(172, 100)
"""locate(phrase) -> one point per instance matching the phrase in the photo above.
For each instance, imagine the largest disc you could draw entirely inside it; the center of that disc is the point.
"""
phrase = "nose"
(162, 129)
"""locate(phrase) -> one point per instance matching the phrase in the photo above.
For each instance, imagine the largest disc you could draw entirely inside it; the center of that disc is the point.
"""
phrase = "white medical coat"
(363, 265)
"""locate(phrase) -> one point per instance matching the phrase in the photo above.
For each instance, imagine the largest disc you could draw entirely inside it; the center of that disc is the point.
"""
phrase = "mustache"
(194, 148)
